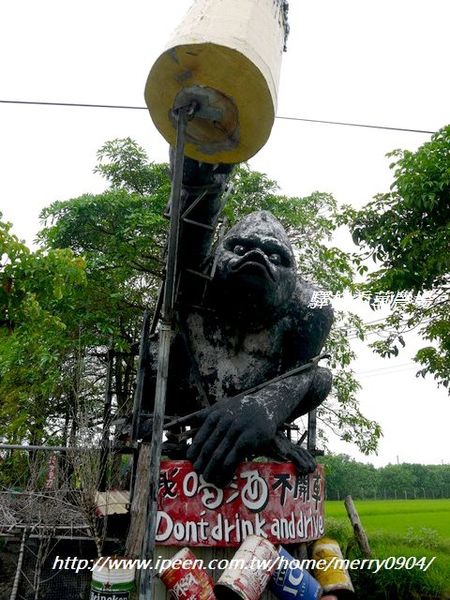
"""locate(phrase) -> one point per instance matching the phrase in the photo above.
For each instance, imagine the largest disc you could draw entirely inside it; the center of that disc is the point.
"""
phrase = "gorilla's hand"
(231, 430)
(282, 448)
(201, 174)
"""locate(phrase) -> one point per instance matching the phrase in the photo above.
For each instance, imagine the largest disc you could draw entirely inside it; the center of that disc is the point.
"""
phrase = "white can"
(249, 572)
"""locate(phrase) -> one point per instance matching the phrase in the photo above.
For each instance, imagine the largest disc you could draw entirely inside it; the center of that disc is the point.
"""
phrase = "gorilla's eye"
(239, 250)
(275, 258)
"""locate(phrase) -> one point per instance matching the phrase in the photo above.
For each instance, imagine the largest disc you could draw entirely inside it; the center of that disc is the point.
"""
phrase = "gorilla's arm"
(236, 428)
(204, 183)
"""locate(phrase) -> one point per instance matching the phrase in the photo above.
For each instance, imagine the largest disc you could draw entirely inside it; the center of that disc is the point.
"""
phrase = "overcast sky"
(382, 62)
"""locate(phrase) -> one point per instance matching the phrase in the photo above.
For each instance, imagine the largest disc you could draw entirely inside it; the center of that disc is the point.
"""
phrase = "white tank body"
(227, 55)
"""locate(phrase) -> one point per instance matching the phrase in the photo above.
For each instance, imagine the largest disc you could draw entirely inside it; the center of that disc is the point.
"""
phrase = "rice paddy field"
(398, 516)
(398, 528)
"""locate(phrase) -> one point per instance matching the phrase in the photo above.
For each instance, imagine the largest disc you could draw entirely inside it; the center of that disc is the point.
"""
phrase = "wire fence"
(39, 578)
(417, 493)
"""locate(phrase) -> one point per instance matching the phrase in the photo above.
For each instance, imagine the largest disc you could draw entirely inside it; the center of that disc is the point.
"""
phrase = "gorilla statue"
(248, 324)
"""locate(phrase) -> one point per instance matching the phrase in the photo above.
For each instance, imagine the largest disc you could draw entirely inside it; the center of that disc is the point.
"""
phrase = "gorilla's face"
(255, 263)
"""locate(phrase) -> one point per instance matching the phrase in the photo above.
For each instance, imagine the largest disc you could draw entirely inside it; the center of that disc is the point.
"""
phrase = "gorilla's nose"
(255, 257)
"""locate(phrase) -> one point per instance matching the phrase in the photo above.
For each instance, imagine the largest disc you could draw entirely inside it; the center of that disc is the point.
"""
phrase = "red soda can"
(186, 580)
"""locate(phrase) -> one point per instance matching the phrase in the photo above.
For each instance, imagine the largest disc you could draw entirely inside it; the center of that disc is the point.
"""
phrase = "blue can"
(290, 581)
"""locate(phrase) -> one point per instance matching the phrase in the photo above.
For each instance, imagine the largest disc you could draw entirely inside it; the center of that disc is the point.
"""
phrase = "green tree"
(407, 233)
(396, 479)
(37, 287)
(121, 235)
(346, 476)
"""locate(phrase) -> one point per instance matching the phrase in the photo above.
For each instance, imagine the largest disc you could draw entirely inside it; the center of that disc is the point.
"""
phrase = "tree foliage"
(348, 476)
(406, 231)
(37, 288)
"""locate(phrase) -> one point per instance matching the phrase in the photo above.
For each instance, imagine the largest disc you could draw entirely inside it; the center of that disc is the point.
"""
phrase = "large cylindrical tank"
(226, 54)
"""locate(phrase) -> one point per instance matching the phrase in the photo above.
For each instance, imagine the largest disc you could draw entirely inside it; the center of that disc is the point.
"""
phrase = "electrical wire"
(387, 369)
(388, 373)
(282, 117)
(347, 124)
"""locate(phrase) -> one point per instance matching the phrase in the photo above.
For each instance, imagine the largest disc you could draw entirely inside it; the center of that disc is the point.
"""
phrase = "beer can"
(112, 579)
(185, 580)
(249, 571)
(290, 581)
(332, 576)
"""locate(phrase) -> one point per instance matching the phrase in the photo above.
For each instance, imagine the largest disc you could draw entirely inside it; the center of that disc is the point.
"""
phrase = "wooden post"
(147, 484)
(358, 529)
(138, 516)
(15, 588)
(143, 355)
(106, 423)
(312, 430)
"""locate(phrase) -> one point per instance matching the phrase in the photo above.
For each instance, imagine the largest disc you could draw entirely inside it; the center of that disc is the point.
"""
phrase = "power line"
(73, 104)
(346, 124)
(388, 369)
(380, 373)
(126, 107)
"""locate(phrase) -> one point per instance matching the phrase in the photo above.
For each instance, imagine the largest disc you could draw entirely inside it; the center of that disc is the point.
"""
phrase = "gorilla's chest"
(232, 361)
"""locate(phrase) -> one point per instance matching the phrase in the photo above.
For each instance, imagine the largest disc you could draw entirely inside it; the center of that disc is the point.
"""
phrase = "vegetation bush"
(400, 583)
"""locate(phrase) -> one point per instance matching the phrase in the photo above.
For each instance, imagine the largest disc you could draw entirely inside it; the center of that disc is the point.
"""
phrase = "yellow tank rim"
(220, 68)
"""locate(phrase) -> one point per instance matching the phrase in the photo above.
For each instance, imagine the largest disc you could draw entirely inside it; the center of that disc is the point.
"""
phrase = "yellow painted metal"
(332, 576)
(227, 54)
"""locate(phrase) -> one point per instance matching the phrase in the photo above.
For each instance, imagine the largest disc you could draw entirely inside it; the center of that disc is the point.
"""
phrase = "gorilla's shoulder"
(309, 301)
(309, 321)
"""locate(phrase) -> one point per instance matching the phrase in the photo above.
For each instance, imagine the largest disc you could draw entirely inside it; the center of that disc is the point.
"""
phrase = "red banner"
(267, 499)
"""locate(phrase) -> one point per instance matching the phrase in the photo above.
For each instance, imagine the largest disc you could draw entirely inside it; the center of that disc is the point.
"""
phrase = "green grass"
(398, 516)
(398, 528)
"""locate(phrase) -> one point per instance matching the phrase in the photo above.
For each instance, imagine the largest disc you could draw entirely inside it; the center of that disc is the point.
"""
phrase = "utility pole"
(166, 334)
